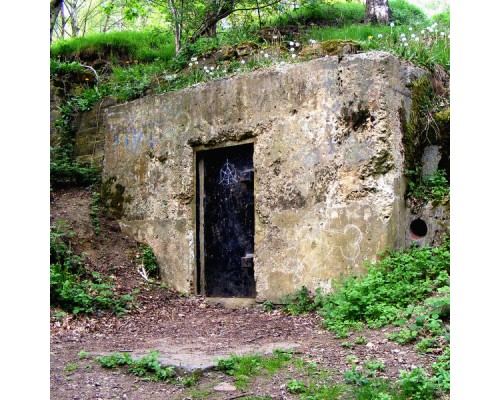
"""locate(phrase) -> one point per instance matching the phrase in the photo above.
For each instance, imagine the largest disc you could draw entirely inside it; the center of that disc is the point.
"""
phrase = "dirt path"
(189, 330)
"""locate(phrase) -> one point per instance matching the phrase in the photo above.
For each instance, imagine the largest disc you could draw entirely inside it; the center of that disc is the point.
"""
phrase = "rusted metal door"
(225, 214)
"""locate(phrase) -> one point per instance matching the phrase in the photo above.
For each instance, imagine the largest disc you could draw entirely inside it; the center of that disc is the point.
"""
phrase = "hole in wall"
(418, 229)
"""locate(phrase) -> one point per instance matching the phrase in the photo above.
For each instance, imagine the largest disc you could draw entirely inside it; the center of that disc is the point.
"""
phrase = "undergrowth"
(147, 367)
(73, 286)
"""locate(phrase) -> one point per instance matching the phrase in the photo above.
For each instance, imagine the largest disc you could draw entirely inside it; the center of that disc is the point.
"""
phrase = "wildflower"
(262, 52)
(403, 39)
(403, 35)
(266, 55)
(380, 36)
(275, 37)
(196, 63)
(370, 37)
(312, 41)
(410, 28)
(297, 44)
(442, 33)
(294, 55)
(292, 49)
(243, 61)
(190, 64)
(405, 44)
(291, 43)
(413, 35)
(422, 31)
(193, 59)
(392, 24)
(417, 39)
(225, 71)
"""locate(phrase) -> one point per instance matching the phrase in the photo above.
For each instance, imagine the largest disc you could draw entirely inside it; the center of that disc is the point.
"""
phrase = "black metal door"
(226, 222)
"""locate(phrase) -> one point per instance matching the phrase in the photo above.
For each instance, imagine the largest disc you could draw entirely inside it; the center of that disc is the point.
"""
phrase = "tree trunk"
(55, 7)
(377, 11)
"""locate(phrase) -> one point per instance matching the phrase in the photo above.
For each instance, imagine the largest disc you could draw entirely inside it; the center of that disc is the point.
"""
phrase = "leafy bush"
(65, 171)
(58, 68)
(377, 298)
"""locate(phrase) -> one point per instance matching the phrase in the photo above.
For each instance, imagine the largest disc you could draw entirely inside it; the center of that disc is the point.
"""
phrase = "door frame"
(198, 173)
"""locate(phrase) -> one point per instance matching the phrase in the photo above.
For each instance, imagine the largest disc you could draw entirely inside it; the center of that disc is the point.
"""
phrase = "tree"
(377, 11)
(55, 8)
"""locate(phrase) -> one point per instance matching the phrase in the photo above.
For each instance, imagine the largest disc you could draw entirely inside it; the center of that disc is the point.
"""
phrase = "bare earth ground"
(185, 327)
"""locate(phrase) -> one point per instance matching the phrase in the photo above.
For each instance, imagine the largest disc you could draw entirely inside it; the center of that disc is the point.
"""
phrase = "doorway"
(225, 222)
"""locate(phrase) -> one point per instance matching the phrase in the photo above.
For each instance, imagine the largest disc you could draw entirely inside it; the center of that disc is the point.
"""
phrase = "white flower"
(292, 49)
(225, 71)
(405, 44)
(275, 37)
(190, 64)
(294, 55)
(403, 35)
(380, 35)
(297, 44)
(266, 55)
(422, 31)
(212, 68)
(392, 24)
(417, 39)
(403, 39)
(291, 43)
(442, 33)
(243, 61)
(196, 63)
(262, 52)
(413, 35)
(193, 59)
(410, 28)
(312, 41)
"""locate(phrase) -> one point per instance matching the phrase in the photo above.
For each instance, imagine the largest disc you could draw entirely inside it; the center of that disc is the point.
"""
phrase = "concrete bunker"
(327, 179)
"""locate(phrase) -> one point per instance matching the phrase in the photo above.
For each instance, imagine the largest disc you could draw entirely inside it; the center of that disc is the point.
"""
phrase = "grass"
(142, 46)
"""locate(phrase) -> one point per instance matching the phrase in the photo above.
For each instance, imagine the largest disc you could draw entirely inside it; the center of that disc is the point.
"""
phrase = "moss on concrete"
(112, 194)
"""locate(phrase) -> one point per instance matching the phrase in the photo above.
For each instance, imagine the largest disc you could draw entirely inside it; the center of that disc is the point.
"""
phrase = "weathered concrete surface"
(328, 161)
(189, 359)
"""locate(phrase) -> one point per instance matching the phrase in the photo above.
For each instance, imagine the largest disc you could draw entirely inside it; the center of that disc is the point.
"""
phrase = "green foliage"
(294, 386)
(242, 368)
(149, 260)
(73, 287)
(65, 171)
(405, 13)
(71, 367)
(416, 385)
(58, 68)
(268, 305)
(82, 354)
(141, 46)
(148, 367)
(300, 302)
(441, 371)
(433, 188)
(316, 12)
(96, 207)
(377, 298)
(355, 377)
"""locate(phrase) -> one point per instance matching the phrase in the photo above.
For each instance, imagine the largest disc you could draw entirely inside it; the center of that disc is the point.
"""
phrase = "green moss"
(336, 47)
(416, 129)
(112, 195)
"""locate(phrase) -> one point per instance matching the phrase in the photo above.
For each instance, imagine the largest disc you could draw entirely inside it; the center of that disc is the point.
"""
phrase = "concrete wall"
(328, 161)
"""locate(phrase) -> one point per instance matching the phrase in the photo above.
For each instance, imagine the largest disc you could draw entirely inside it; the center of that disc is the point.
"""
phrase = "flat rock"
(224, 387)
